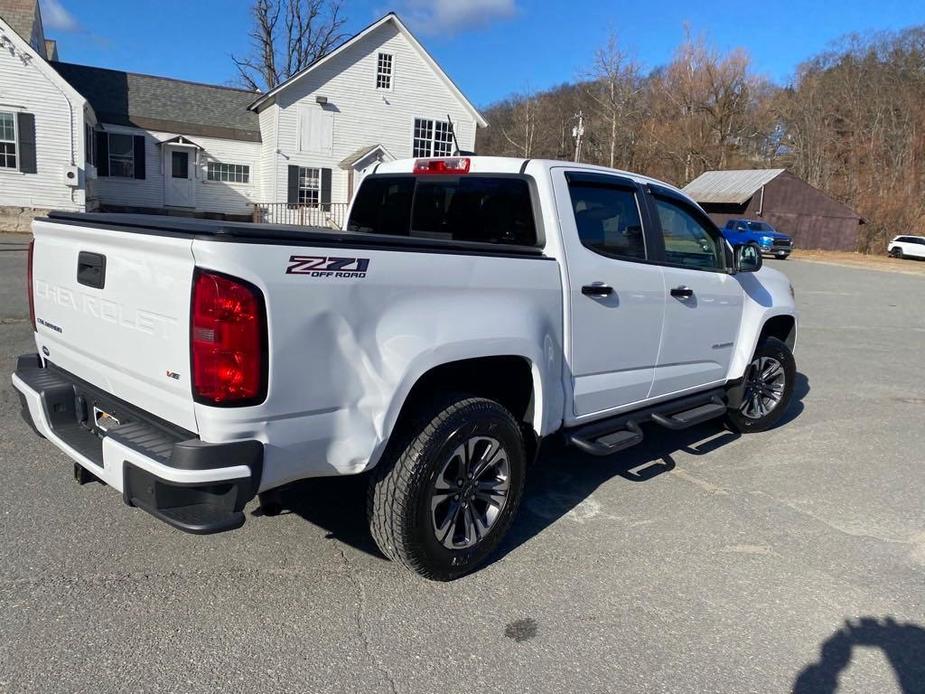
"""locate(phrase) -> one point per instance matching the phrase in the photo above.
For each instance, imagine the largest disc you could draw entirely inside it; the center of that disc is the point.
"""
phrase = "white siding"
(362, 115)
(33, 87)
(210, 196)
(268, 134)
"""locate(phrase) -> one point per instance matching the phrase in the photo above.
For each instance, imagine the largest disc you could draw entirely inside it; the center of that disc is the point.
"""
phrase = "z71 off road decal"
(325, 266)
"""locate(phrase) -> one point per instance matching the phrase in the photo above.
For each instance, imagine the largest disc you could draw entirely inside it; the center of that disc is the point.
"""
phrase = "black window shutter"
(25, 123)
(102, 154)
(326, 187)
(292, 189)
(139, 156)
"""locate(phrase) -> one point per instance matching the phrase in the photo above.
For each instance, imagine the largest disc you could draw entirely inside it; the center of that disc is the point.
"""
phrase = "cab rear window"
(488, 209)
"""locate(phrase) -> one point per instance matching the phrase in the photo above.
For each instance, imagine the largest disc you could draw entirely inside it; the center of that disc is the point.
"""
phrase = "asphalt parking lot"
(696, 562)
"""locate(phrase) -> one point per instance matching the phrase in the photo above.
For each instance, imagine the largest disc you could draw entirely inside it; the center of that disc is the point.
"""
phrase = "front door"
(178, 181)
(616, 295)
(704, 306)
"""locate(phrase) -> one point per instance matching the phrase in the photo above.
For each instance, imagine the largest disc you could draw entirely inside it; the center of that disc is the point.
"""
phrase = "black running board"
(608, 436)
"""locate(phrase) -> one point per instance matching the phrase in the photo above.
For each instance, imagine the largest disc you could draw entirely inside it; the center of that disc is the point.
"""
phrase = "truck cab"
(768, 239)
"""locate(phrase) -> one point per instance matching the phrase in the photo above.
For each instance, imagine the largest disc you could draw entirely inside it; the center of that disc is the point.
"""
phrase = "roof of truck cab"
(515, 165)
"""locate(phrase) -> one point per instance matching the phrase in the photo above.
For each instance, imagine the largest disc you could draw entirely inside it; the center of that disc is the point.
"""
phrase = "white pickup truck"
(472, 307)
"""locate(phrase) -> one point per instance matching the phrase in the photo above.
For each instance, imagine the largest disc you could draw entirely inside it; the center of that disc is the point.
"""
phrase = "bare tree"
(613, 89)
(287, 36)
(520, 131)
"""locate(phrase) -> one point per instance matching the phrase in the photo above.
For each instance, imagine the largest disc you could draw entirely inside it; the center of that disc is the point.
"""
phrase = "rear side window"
(455, 208)
(607, 219)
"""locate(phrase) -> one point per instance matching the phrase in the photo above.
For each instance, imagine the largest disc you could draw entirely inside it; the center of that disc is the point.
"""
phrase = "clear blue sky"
(491, 48)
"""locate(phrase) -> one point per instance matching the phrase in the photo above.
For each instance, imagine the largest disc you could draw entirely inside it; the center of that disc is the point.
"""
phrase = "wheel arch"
(783, 327)
(512, 380)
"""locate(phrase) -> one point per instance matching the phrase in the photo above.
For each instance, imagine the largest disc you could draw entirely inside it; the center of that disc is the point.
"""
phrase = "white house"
(84, 138)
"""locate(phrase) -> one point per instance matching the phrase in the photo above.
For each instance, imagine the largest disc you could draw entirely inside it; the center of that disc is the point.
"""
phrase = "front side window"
(309, 186)
(432, 138)
(759, 226)
(228, 173)
(487, 209)
(607, 219)
(121, 155)
(7, 140)
(688, 240)
(384, 71)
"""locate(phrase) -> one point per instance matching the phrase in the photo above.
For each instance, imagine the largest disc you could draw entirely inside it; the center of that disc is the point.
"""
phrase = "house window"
(384, 71)
(309, 186)
(90, 144)
(121, 155)
(7, 141)
(432, 138)
(228, 173)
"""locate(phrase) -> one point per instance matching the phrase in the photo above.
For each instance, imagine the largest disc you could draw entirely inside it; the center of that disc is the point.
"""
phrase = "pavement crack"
(830, 524)
(358, 619)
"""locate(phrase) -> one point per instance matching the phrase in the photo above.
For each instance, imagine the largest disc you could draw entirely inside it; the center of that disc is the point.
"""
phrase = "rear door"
(916, 247)
(704, 301)
(113, 309)
(616, 296)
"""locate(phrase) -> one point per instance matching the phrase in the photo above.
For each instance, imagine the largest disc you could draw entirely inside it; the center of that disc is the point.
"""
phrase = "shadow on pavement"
(902, 644)
(557, 484)
(562, 477)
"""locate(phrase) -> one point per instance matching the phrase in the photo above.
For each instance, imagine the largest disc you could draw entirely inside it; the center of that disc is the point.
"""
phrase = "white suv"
(907, 247)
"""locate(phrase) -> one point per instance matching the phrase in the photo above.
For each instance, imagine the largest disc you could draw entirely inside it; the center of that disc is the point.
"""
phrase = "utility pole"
(577, 132)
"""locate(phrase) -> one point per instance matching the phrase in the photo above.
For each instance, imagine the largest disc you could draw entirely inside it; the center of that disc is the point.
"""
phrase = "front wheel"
(442, 500)
(897, 253)
(768, 388)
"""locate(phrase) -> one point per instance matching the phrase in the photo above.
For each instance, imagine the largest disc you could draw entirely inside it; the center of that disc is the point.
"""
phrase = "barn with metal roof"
(790, 204)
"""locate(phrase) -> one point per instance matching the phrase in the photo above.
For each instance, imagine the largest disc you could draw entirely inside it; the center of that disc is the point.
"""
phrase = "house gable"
(49, 132)
(335, 55)
(338, 108)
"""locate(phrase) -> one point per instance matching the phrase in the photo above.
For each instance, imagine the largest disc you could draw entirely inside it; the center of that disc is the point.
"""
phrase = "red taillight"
(30, 292)
(228, 339)
(430, 167)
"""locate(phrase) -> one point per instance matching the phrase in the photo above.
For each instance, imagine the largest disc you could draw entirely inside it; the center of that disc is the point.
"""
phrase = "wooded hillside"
(852, 123)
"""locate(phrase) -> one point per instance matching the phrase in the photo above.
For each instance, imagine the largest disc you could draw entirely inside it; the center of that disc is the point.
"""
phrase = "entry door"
(704, 302)
(179, 190)
(616, 297)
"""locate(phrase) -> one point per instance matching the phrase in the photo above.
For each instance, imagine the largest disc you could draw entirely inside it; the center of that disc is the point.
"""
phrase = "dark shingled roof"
(160, 103)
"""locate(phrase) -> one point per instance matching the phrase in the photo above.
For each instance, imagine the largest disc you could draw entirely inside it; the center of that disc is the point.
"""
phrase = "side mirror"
(747, 258)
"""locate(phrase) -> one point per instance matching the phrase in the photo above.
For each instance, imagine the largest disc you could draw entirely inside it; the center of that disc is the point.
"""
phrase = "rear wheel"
(767, 389)
(442, 500)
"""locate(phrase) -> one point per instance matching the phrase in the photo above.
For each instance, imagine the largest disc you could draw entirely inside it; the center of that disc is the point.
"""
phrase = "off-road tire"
(775, 349)
(398, 502)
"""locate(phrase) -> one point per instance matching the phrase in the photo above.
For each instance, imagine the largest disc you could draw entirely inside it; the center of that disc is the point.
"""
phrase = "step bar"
(608, 436)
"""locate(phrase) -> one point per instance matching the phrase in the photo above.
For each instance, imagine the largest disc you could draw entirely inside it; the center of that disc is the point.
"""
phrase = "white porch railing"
(331, 215)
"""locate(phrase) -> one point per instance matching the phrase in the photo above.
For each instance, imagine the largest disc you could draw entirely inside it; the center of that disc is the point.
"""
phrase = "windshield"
(759, 226)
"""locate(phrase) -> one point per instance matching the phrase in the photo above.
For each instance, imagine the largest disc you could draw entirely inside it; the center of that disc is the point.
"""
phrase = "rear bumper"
(195, 486)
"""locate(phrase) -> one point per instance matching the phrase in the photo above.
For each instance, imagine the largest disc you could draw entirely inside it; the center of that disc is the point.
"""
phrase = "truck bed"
(288, 235)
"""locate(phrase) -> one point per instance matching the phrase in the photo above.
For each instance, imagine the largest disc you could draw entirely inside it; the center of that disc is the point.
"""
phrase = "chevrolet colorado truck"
(471, 308)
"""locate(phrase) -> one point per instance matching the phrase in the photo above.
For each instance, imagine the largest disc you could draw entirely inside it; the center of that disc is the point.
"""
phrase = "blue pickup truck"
(771, 241)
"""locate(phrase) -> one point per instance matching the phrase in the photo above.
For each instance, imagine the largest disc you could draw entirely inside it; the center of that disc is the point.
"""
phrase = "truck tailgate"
(113, 309)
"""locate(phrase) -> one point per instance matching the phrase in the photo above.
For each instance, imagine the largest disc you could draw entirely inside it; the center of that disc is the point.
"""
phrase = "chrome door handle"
(682, 292)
